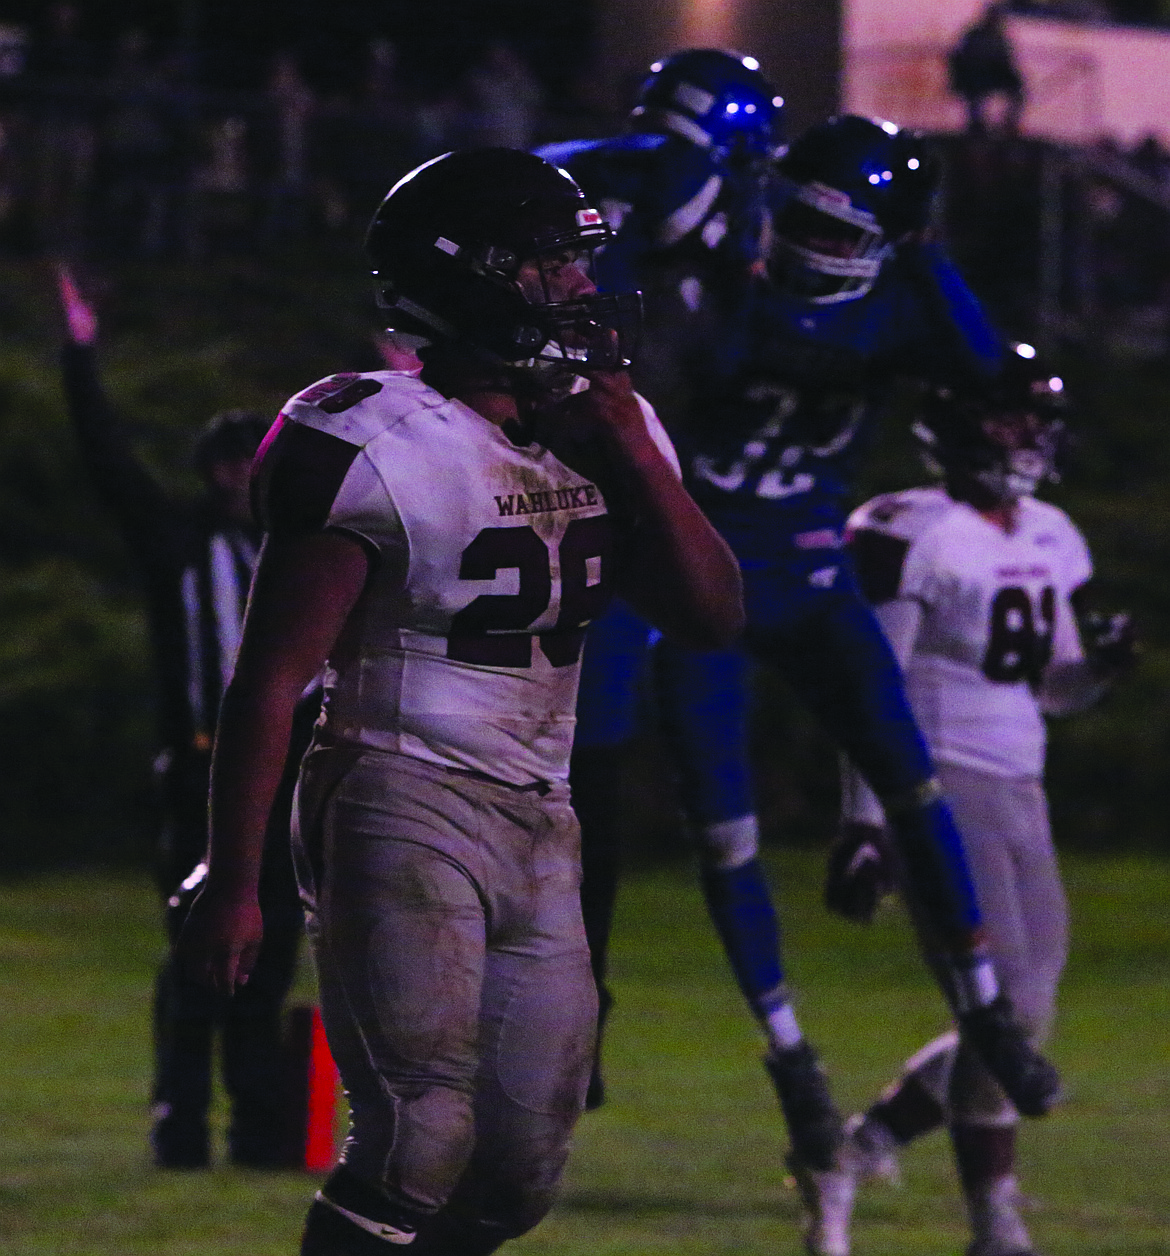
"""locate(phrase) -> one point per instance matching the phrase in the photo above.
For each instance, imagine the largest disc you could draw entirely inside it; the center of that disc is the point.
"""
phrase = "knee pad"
(729, 844)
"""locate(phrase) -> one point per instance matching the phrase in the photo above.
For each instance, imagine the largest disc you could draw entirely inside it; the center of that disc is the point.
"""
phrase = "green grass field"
(685, 1158)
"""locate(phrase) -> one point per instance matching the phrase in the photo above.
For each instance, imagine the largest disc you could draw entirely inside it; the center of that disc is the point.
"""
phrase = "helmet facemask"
(826, 250)
(1003, 455)
(581, 328)
(999, 439)
(1023, 449)
(859, 187)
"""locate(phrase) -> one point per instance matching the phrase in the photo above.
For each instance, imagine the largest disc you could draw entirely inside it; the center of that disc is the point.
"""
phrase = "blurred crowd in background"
(122, 147)
(116, 148)
(1055, 235)
(1138, 12)
(128, 156)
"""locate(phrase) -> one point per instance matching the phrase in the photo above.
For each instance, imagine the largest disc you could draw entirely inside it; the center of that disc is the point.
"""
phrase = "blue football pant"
(837, 661)
(832, 652)
(611, 692)
(613, 682)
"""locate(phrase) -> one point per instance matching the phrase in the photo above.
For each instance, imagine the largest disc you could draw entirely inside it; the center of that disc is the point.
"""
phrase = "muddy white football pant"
(455, 986)
(1004, 822)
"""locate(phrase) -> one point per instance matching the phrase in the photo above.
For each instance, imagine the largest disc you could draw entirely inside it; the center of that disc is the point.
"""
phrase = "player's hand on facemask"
(607, 406)
(859, 873)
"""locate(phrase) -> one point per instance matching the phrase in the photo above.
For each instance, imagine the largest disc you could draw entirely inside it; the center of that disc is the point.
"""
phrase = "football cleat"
(827, 1196)
(179, 1144)
(339, 1221)
(814, 1124)
(996, 1222)
(1030, 1081)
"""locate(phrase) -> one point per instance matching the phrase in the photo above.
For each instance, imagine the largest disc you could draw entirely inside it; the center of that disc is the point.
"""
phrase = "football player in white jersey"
(439, 542)
(978, 587)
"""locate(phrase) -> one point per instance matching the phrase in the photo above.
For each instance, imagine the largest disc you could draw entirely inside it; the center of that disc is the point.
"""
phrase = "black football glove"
(1110, 641)
(859, 874)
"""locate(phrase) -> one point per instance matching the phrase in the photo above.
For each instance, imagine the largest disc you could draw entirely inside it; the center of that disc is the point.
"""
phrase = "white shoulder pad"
(1051, 517)
(907, 514)
(1049, 520)
(357, 408)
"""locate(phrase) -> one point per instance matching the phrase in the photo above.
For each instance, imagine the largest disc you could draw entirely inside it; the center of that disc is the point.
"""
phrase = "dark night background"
(437, 39)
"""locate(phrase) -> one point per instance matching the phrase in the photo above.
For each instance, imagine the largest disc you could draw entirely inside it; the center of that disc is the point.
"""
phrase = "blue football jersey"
(782, 395)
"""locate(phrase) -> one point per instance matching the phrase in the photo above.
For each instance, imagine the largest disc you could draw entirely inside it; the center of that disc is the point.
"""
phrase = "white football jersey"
(488, 560)
(995, 617)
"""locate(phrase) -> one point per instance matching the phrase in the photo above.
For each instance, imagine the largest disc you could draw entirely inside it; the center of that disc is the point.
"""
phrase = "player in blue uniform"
(774, 388)
(687, 179)
(782, 390)
(684, 188)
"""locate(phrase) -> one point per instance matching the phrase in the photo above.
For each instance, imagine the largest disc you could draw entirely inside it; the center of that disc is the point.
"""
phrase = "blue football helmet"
(855, 187)
(717, 100)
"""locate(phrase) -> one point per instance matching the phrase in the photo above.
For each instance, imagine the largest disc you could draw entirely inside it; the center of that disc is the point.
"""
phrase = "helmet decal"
(693, 98)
